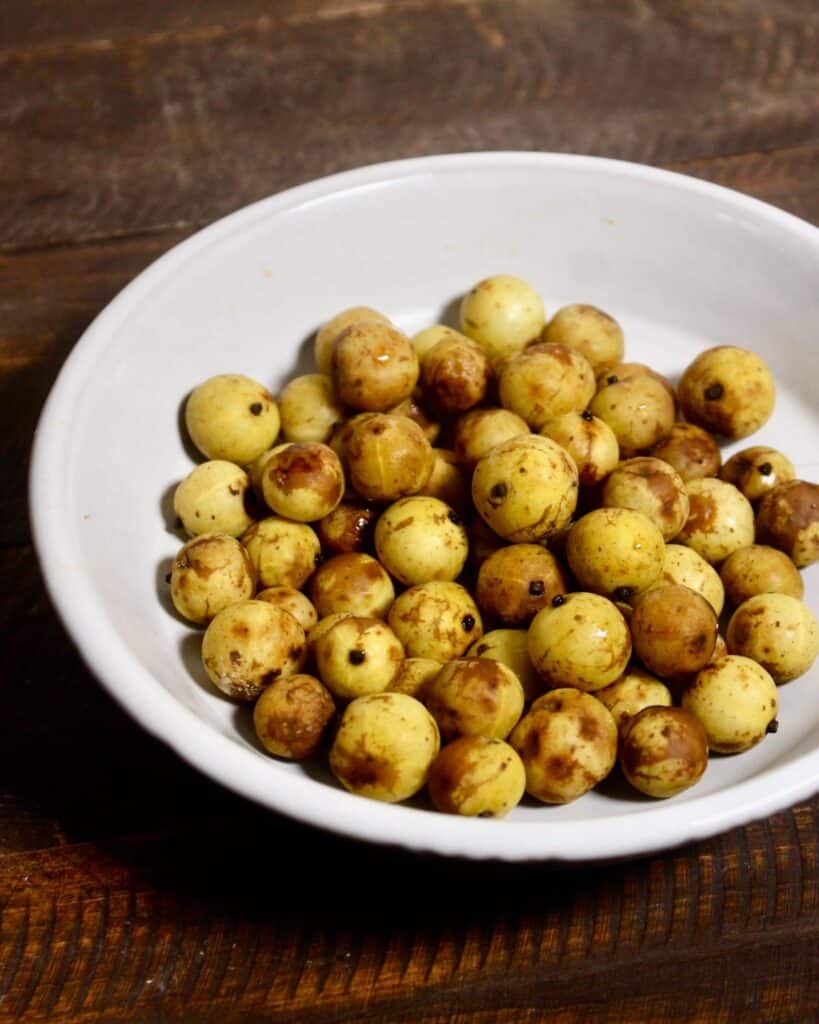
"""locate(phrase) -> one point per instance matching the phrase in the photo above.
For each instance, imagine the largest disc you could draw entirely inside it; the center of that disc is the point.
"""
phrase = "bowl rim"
(242, 769)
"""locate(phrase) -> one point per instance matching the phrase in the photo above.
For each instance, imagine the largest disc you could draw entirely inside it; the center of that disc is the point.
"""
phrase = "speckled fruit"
(327, 334)
(354, 583)
(692, 451)
(615, 551)
(736, 701)
(674, 630)
(475, 697)
(526, 489)
(292, 716)
(684, 566)
(590, 331)
(727, 390)
(284, 554)
(503, 314)
(374, 366)
(720, 520)
(232, 417)
(567, 743)
(511, 648)
(384, 746)
(348, 527)
(475, 776)
(419, 539)
(664, 751)
(652, 487)
(777, 631)
(388, 457)
(303, 481)
(589, 441)
(760, 570)
(455, 375)
(310, 407)
(545, 381)
(437, 620)
(516, 581)
(210, 573)
(788, 519)
(249, 645)
(634, 690)
(214, 498)
(581, 640)
(357, 656)
(638, 408)
(478, 431)
(757, 470)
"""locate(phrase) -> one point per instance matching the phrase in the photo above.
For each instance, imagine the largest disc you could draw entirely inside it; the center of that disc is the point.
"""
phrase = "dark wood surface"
(131, 888)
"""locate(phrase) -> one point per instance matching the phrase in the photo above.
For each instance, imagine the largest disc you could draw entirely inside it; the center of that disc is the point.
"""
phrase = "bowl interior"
(681, 265)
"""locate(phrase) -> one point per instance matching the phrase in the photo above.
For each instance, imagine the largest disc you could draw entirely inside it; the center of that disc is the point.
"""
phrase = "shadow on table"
(181, 834)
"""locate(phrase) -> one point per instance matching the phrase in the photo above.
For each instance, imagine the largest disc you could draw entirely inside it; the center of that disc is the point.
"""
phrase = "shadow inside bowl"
(243, 724)
(190, 650)
(616, 787)
(305, 361)
(450, 313)
(173, 524)
(162, 584)
(191, 450)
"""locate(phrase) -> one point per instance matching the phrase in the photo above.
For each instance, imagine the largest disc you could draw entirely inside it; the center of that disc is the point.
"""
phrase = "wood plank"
(787, 178)
(177, 130)
(328, 930)
(73, 766)
(47, 691)
(30, 27)
(47, 299)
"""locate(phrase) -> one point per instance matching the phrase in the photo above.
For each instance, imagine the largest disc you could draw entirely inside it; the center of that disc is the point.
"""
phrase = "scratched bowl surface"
(682, 264)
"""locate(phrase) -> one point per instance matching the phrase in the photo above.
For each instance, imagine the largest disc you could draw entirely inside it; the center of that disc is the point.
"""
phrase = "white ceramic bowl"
(682, 264)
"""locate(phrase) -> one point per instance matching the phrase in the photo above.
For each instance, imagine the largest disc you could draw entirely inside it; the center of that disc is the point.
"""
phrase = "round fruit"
(525, 489)
(777, 631)
(727, 390)
(384, 746)
(292, 716)
(437, 620)
(615, 551)
(581, 640)
(664, 751)
(475, 697)
(735, 700)
(567, 743)
(419, 539)
(673, 630)
(475, 776)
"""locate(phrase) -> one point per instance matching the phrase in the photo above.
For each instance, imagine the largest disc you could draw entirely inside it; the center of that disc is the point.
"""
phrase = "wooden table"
(131, 888)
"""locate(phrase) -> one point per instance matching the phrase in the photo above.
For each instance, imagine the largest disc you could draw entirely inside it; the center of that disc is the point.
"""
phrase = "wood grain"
(47, 299)
(31, 28)
(231, 115)
(216, 917)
